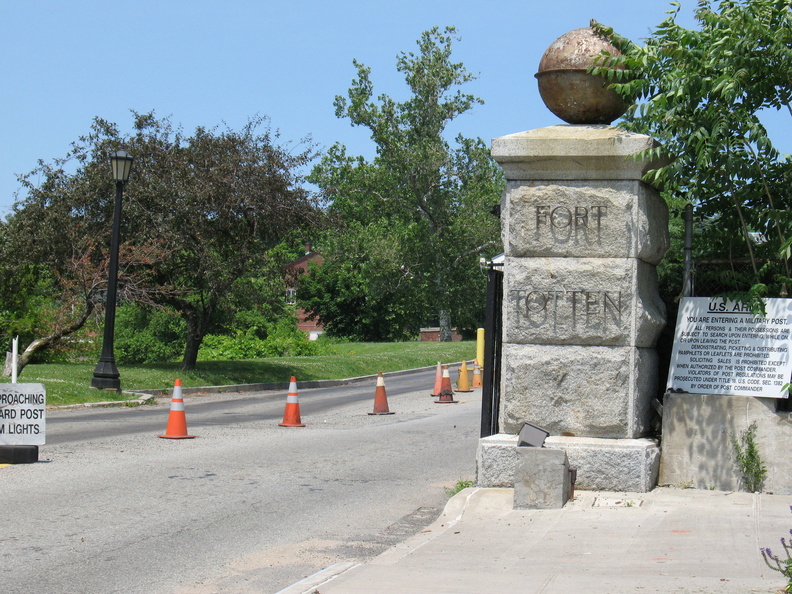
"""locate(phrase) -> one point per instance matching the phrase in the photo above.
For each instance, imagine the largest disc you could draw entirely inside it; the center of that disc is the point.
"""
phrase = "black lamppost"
(106, 376)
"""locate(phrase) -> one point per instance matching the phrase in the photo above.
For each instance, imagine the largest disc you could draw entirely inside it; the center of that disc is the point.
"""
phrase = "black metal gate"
(490, 393)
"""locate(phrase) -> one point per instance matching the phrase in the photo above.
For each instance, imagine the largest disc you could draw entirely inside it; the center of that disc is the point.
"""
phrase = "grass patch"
(69, 383)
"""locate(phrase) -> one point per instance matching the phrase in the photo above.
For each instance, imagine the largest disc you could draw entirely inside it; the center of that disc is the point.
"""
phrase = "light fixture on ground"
(106, 376)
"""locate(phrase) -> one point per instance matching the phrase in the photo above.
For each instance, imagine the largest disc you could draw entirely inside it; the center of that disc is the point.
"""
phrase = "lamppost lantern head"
(121, 161)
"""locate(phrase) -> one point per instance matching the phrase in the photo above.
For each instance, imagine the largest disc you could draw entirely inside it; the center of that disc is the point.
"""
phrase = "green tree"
(200, 212)
(20, 303)
(701, 93)
(367, 288)
(59, 264)
(427, 198)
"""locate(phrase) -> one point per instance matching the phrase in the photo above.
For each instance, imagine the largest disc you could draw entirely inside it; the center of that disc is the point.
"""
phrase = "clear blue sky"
(205, 63)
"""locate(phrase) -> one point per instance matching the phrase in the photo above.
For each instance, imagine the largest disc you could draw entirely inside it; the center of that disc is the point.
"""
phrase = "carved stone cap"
(574, 152)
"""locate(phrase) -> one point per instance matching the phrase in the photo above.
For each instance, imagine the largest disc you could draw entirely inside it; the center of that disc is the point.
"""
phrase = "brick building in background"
(294, 270)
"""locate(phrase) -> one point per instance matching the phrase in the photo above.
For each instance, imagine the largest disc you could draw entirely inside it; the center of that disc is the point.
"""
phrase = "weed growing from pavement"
(749, 462)
(776, 564)
(458, 487)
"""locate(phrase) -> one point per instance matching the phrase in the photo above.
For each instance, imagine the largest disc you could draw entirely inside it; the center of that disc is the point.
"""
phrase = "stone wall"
(697, 448)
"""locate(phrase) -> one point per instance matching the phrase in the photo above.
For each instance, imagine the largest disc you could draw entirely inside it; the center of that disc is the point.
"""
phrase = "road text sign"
(23, 410)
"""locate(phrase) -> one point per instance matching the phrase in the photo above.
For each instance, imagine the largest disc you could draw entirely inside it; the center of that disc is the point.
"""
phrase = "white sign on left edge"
(23, 412)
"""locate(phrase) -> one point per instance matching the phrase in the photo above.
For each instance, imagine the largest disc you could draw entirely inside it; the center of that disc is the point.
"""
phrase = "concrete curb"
(310, 583)
(144, 399)
(149, 396)
(267, 386)
(452, 514)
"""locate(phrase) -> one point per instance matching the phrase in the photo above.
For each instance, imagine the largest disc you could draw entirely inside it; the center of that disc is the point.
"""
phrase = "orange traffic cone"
(438, 385)
(477, 383)
(177, 420)
(463, 383)
(446, 394)
(291, 414)
(380, 398)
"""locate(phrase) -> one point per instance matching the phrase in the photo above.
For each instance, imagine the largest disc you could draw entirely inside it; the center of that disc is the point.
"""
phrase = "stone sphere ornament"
(566, 86)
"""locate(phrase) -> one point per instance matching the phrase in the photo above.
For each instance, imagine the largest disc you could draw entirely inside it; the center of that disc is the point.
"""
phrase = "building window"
(291, 296)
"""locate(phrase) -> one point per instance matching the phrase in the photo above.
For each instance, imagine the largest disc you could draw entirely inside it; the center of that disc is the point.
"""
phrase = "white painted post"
(14, 351)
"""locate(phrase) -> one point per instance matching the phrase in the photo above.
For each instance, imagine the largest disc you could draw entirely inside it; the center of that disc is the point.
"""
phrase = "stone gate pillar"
(582, 236)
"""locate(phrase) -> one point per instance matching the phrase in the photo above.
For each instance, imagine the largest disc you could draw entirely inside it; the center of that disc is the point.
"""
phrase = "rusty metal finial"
(566, 86)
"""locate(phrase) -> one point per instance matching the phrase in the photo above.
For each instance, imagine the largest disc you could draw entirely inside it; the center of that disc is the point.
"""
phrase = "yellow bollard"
(480, 346)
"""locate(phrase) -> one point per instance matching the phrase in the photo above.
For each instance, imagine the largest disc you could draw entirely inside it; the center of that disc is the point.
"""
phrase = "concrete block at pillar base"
(496, 459)
(589, 391)
(541, 478)
(611, 464)
(602, 464)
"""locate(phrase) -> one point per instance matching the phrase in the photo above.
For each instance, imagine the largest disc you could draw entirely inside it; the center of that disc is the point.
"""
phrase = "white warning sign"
(720, 347)
(23, 412)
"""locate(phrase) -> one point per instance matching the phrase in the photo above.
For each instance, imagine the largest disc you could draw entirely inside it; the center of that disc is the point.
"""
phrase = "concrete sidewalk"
(668, 540)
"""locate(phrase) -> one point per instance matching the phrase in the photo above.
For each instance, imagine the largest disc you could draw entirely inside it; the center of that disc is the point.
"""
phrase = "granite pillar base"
(602, 464)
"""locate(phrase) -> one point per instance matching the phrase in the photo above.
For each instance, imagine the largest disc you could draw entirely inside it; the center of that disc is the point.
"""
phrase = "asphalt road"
(247, 506)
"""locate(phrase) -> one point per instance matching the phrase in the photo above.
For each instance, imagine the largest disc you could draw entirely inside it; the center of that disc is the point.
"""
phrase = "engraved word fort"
(564, 221)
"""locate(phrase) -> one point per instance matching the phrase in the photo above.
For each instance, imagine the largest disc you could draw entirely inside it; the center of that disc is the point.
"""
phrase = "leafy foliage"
(200, 213)
(749, 463)
(283, 340)
(367, 289)
(701, 93)
(147, 335)
(416, 217)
